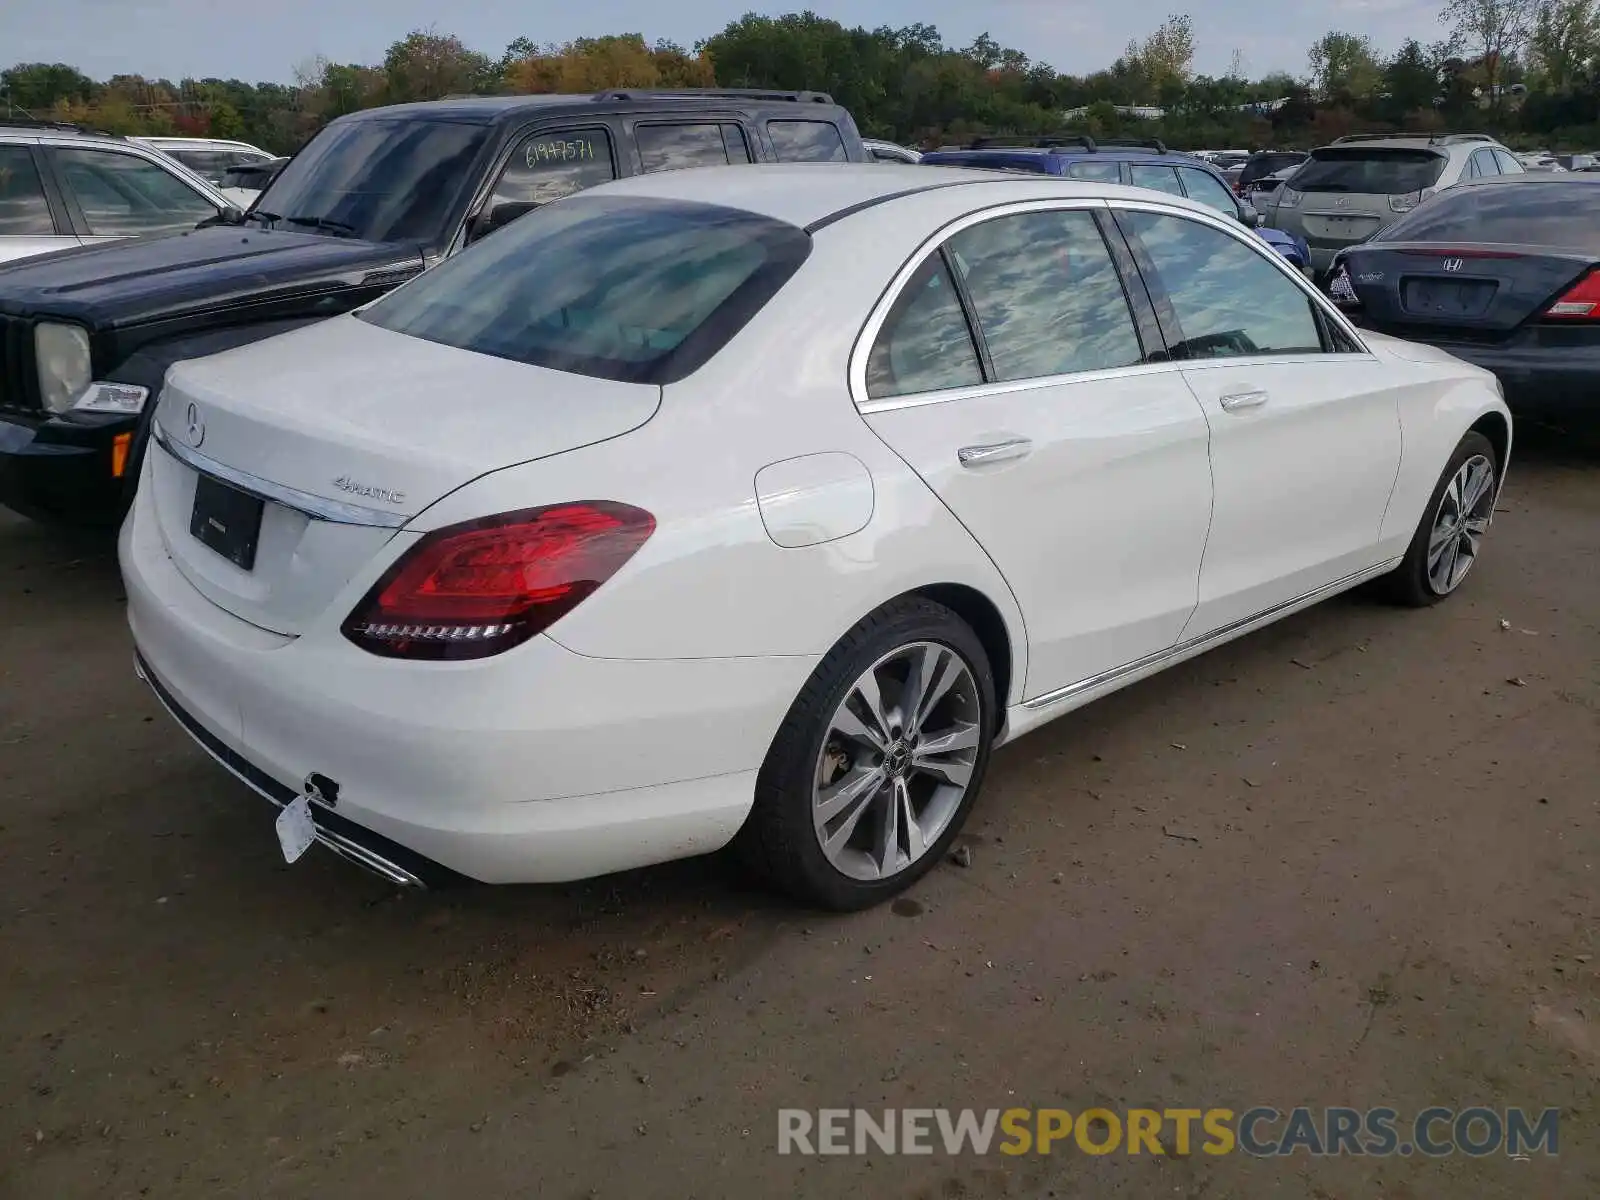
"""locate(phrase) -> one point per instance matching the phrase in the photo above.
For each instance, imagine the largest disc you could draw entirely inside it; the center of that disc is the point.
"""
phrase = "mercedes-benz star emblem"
(1454, 264)
(194, 425)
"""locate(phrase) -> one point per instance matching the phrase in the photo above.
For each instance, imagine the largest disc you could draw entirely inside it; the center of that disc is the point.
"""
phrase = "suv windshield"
(381, 181)
(1369, 170)
(642, 291)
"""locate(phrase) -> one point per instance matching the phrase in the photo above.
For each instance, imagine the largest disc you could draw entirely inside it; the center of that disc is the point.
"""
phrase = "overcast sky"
(266, 39)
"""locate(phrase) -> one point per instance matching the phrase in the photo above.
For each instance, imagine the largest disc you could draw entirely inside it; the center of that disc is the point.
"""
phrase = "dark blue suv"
(1146, 164)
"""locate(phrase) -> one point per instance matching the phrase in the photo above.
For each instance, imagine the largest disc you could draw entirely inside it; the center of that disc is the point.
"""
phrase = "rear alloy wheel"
(878, 761)
(1450, 536)
(896, 762)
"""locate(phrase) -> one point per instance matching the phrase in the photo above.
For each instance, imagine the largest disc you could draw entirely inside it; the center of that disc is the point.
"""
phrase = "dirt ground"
(1350, 860)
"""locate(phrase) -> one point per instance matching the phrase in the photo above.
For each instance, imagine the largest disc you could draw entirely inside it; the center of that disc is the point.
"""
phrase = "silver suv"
(64, 186)
(1346, 192)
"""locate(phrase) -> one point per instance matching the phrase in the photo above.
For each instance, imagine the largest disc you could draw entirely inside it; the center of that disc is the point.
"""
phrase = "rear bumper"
(62, 470)
(538, 765)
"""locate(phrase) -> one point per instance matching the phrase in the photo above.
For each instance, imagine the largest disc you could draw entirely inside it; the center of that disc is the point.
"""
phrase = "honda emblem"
(1454, 264)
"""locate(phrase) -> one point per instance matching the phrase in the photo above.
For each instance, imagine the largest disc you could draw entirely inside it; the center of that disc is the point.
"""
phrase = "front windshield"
(378, 180)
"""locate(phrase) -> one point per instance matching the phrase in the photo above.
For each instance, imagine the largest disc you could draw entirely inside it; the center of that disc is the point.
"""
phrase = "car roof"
(1065, 153)
(810, 194)
(489, 110)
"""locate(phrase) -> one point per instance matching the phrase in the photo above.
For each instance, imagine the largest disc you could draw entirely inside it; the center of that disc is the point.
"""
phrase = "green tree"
(1563, 42)
(1343, 65)
(429, 66)
(38, 87)
(1492, 31)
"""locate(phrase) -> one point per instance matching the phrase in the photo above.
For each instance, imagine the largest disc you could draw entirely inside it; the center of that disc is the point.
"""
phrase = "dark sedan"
(1502, 272)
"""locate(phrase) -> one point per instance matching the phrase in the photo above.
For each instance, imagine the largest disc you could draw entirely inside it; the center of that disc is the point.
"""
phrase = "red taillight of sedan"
(1581, 302)
(479, 588)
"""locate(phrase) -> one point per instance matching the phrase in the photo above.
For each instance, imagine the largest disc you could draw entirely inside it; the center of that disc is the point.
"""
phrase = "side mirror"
(227, 215)
(498, 217)
(1250, 217)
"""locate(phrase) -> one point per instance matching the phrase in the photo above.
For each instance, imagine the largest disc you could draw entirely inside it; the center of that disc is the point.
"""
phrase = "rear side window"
(1047, 296)
(23, 210)
(1096, 172)
(1207, 189)
(1229, 300)
(1509, 164)
(1372, 172)
(1562, 214)
(555, 163)
(925, 345)
(642, 291)
(675, 147)
(1162, 179)
(123, 195)
(807, 141)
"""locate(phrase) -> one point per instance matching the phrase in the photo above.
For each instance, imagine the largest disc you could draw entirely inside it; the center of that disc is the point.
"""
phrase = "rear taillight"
(1580, 303)
(476, 589)
(1405, 203)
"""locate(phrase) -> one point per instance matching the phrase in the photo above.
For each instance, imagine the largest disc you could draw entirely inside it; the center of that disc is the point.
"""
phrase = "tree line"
(1528, 70)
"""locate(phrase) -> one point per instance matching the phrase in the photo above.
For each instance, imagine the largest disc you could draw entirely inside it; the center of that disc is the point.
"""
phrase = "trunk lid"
(1482, 292)
(345, 431)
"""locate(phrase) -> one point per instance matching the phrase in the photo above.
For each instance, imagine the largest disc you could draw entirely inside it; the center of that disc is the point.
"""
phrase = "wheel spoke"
(834, 800)
(1442, 533)
(840, 837)
(889, 836)
(1479, 480)
(949, 669)
(915, 844)
(872, 697)
(958, 737)
(846, 721)
(1451, 554)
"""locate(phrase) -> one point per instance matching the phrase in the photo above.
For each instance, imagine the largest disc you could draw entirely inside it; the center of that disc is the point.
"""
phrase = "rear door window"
(925, 345)
(807, 141)
(1161, 178)
(1229, 300)
(676, 147)
(554, 163)
(123, 195)
(1371, 171)
(1046, 294)
(1509, 164)
(1095, 172)
(24, 212)
(636, 290)
(1483, 165)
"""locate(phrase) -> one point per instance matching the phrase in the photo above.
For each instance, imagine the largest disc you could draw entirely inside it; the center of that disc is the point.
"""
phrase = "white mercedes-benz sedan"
(758, 505)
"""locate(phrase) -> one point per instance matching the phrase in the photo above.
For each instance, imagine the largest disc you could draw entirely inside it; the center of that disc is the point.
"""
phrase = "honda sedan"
(759, 505)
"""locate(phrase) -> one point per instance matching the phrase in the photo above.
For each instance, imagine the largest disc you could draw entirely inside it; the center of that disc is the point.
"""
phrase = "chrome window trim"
(861, 351)
(334, 512)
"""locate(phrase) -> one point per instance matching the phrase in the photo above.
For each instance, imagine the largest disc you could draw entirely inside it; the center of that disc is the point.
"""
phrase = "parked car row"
(758, 507)
(506, 503)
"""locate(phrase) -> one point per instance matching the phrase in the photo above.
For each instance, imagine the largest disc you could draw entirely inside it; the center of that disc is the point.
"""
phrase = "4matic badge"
(367, 491)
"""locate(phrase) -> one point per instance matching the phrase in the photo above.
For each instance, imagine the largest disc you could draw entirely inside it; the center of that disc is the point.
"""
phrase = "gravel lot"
(1350, 860)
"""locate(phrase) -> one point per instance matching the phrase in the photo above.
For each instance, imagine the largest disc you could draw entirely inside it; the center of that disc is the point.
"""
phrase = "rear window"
(1369, 171)
(642, 291)
(807, 141)
(1563, 214)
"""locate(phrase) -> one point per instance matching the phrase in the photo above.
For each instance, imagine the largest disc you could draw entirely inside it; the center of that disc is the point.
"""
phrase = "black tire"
(778, 842)
(1408, 583)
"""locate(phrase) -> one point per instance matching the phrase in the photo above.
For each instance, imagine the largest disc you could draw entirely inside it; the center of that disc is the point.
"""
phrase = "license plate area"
(1446, 297)
(226, 520)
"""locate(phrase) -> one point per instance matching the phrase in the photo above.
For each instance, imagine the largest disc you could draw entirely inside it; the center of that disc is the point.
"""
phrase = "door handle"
(1238, 400)
(981, 456)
